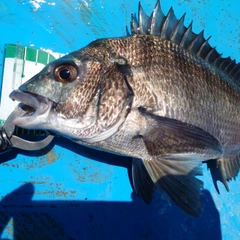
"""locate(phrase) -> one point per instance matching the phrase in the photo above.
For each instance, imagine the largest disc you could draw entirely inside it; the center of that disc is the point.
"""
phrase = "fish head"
(81, 96)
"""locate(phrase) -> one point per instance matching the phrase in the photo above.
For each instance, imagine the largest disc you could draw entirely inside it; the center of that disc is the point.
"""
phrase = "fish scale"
(161, 95)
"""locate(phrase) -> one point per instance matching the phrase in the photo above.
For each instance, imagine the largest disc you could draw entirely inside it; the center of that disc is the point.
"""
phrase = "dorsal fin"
(173, 29)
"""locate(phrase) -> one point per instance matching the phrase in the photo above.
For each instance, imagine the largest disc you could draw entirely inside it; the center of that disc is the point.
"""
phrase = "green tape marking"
(42, 57)
(31, 54)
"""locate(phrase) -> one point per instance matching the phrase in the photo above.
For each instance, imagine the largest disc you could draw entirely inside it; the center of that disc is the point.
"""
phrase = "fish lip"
(34, 106)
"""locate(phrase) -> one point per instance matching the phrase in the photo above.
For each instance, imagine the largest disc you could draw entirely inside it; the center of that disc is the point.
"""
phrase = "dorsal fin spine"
(155, 25)
(185, 36)
(143, 19)
(203, 51)
(235, 70)
(194, 46)
(207, 58)
(224, 63)
(176, 34)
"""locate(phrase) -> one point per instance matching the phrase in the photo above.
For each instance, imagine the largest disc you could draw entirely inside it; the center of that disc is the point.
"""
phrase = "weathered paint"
(67, 191)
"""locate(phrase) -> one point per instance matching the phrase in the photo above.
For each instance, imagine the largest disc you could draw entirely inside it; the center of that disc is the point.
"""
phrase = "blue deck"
(71, 192)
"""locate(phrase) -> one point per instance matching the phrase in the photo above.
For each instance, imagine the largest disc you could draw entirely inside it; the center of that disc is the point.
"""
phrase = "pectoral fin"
(164, 136)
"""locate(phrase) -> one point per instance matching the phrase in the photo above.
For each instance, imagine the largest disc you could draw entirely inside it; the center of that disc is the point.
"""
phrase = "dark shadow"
(88, 220)
(98, 219)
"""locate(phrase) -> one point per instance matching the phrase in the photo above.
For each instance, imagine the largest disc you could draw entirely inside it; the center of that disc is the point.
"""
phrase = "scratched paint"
(48, 156)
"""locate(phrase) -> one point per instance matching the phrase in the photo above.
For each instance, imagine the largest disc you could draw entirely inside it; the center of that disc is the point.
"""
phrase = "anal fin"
(229, 168)
(224, 169)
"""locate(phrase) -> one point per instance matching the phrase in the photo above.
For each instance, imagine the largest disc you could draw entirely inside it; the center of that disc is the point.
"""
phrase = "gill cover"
(114, 101)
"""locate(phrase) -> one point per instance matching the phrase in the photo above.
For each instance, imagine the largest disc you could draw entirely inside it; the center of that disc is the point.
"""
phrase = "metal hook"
(8, 140)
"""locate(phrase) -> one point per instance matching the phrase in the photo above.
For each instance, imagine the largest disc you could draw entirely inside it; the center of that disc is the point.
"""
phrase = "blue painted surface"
(72, 192)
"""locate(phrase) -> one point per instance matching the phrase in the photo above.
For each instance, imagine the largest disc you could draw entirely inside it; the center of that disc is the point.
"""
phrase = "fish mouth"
(36, 108)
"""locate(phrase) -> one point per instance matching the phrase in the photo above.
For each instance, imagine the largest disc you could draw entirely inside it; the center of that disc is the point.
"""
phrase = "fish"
(160, 95)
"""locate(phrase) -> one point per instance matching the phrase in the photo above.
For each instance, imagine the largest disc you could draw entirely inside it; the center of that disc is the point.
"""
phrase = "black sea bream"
(161, 95)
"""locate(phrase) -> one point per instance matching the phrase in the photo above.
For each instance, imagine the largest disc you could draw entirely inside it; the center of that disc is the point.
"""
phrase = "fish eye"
(66, 73)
